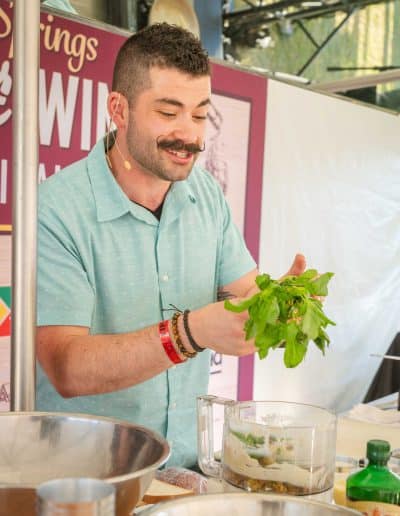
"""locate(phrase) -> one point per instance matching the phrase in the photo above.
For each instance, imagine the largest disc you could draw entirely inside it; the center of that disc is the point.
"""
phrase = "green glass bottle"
(375, 490)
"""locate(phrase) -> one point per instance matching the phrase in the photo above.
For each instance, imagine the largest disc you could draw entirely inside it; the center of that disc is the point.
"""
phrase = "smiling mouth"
(180, 154)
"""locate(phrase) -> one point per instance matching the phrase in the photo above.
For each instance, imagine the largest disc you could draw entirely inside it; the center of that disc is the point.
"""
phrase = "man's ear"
(118, 109)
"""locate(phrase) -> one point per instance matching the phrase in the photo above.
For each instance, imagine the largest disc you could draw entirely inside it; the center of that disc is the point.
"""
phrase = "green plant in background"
(287, 312)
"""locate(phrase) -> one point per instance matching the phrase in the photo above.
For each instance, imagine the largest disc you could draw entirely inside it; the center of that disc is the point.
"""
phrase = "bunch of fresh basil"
(287, 312)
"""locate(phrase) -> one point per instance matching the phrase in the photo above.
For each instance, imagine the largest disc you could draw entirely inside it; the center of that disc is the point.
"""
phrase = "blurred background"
(350, 47)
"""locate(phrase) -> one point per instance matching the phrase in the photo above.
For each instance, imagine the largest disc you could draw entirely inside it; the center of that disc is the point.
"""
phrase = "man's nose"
(188, 131)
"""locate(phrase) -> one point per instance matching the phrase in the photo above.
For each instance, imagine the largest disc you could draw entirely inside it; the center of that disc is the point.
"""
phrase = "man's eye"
(167, 114)
(198, 117)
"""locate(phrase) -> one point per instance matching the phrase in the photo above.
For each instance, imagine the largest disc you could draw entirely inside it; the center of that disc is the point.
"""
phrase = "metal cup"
(75, 497)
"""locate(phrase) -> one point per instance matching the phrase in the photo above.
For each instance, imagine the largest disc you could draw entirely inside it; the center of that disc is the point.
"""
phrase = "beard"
(150, 154)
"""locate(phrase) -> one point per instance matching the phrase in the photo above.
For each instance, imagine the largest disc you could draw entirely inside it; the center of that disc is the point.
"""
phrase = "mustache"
(180, 145)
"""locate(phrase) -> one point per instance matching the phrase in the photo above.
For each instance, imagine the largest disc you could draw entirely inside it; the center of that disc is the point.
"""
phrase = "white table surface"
(352, 435)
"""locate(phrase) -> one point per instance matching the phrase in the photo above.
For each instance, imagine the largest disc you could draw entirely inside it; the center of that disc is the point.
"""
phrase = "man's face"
(168, 115)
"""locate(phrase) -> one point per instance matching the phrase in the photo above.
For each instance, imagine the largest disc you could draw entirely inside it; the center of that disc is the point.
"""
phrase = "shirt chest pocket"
(187, 258)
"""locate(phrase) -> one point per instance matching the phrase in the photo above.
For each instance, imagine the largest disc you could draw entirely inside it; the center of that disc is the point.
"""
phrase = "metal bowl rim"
(166, 451)
(261, 496)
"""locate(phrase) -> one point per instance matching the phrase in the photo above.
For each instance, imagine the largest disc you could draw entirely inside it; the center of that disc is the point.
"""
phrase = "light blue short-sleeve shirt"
(107, 263)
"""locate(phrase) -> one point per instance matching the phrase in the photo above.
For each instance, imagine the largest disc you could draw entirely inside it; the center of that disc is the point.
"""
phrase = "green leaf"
(318, 307)
(262, 352)
(250, 328)
(239, 307)
(311, 322)
(249, 439)
(263, 281)
(295, 350)
(309, 274)
(270, 338)
(255, 315)
(270, 309)
(322, 341)
(319, 286)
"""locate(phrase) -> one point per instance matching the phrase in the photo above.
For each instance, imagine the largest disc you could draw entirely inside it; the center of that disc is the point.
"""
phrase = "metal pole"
(25, 169)
(325, 42)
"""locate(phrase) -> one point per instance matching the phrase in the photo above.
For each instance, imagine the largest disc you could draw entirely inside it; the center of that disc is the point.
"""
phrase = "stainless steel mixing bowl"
(246, 504)
(39, 446)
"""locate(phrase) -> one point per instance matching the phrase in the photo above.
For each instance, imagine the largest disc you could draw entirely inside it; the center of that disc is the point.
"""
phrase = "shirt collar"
(112, 203)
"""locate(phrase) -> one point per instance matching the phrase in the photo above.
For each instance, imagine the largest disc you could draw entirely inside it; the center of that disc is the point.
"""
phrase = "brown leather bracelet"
(177, 338)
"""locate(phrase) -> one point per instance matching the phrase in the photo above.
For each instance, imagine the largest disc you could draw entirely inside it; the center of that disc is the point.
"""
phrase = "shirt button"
(173, 406)
(165, 277)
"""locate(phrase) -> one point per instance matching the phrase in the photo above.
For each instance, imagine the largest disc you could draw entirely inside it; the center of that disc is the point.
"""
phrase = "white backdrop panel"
(331, 190)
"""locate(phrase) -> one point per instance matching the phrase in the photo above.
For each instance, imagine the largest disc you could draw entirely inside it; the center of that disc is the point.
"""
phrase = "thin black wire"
(174, 308)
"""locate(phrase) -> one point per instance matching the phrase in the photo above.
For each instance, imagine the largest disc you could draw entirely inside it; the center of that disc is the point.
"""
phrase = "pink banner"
(76, 63)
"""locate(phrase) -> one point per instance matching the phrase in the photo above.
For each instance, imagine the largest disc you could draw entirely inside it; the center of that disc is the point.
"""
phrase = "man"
(130, 232)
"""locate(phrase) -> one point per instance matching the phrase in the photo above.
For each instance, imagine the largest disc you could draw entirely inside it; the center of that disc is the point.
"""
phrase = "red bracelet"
(167, 342)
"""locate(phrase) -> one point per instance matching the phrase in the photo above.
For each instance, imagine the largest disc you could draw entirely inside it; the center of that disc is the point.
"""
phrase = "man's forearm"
(83, 364)
(80, 364)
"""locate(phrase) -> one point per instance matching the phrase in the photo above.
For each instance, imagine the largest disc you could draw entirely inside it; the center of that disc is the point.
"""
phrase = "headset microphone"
(126, 163)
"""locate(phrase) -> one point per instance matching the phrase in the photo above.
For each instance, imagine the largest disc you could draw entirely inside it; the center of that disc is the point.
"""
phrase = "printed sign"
(76, 63)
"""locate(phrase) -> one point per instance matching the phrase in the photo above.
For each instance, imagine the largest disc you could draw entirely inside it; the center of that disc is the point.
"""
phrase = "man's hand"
(298, 266)
(219, 329)
(216, 328)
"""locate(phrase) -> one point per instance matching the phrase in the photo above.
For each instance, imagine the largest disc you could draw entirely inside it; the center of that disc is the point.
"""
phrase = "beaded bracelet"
(189, 335)
(166, 341)
(175, 333)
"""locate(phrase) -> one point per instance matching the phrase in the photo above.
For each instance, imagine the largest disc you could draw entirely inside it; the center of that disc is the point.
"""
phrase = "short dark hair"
(161, 45)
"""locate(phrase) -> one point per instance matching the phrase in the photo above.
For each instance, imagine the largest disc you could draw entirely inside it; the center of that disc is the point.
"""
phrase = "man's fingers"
(298, 266)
